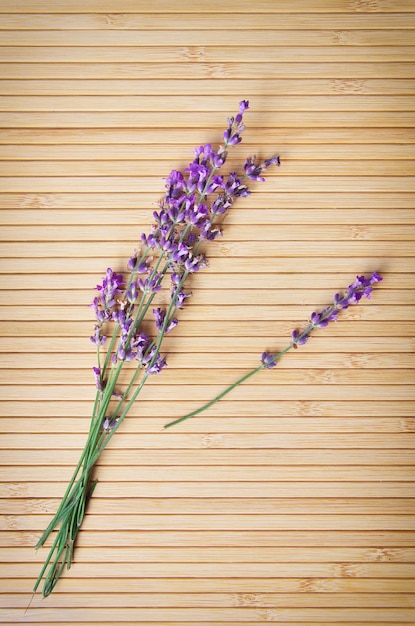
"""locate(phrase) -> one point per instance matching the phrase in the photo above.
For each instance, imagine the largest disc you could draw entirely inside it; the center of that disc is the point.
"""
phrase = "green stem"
(227, 390)
(219, 397)
(119, 421)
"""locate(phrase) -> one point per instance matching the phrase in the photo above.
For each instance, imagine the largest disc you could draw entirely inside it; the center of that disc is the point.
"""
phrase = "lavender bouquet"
(189, 215)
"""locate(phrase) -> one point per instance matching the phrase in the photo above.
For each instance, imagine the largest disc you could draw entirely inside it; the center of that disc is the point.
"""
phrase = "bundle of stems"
(189, 215)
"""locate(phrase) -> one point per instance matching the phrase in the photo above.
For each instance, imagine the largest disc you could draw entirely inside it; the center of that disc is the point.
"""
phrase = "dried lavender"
(188, 216)
(361, 287)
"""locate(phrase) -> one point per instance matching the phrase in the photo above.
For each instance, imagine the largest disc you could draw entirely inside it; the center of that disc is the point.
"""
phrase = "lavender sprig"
(187, 217)
(361, 287)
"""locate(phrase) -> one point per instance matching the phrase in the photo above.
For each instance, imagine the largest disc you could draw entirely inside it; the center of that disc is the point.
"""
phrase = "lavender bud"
(97, 375)
(299, 339)
(109, 423)
(268, 360)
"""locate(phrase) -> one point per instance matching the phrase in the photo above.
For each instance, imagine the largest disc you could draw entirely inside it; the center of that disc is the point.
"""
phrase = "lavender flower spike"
(361, 287)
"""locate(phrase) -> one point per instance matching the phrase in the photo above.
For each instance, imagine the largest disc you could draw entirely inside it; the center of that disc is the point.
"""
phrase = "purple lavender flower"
(243, 106)
(100, 314)
(361, 287)
(221, 205)
(110, 287)
(158, 364)
(109, 423)
(197, 215)
(274, 160)
(232, 134)
(198, 175)
(159, 317)
(141, 343)
(97, 338)
(235, 187)
(134, 266)
(179, 297)
(97, 375)
(132, 292)
(375, 278)
(318, 319)
(125, 353)
(268, 360)
(175, 278)
(180, 253)
(254, 170)
(299, 339)
(195, 263)
(210, 233)
(104, 303)
(151, 284)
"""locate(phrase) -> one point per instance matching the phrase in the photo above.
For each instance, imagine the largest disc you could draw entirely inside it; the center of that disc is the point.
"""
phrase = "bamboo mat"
(291, 501)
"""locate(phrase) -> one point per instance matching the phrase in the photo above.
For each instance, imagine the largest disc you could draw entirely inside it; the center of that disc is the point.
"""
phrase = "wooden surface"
(291, 501)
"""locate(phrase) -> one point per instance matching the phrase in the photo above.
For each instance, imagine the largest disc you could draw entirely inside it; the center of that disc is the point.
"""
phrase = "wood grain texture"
(291, 502)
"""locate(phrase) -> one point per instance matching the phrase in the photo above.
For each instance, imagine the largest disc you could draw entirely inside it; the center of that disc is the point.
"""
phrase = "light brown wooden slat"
(212, 376)
(189, 137)
(219, 555)
(219, 265)
(203, 47)
(154, 408)
(187, 118)
(226, 440)
(241, 522)
(358, 423)
(173, 506)
(167, 22)
(245, 615)
(223, 522)
(294, 314)
(215, 6)
(284, 70)
(85, 283)
(228, 623)
(199, 599)
(237, 329)
(71, 366)
(293, 208)
(139, 168)
(138, 152)
(189, 345)
(208, 570)
(192, 489)
(204, 394)
(228, 249)
(219, 297)
(133, 217)
(209, 86)
(234, 233)
(118, 538)
(315, 184)
(202, 474)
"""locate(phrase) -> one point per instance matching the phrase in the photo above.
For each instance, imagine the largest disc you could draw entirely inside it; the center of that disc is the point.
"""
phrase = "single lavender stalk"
(362, 286)
(195, 201)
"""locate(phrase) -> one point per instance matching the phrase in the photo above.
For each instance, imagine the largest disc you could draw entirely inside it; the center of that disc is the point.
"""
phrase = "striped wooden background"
(290, 502)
